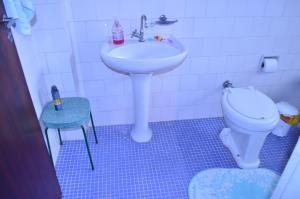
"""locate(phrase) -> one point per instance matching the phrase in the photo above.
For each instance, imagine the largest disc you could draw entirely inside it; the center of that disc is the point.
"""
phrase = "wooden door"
(25, 168)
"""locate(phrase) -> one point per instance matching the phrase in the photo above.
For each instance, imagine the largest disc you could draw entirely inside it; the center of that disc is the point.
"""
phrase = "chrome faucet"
(144, 25)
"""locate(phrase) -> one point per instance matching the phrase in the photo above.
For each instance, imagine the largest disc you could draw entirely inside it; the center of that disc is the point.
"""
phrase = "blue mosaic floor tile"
(160, 169)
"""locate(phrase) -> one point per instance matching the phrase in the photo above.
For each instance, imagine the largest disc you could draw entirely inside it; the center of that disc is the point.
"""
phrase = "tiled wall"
(53, 45)
(35, 82)
(225, 38)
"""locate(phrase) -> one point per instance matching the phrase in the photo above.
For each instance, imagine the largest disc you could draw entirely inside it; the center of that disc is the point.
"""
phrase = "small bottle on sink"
(117, 33)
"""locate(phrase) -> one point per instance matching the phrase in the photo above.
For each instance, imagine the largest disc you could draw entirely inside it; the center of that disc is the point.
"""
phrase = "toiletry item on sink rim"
(117, 33)
(289, 116)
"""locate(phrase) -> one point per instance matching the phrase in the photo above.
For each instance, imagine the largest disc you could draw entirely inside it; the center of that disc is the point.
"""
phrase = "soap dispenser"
(117, 33)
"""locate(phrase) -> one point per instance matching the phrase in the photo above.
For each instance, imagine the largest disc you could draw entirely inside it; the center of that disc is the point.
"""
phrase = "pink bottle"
(117, 33)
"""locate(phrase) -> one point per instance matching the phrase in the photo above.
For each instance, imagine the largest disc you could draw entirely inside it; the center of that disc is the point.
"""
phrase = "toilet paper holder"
(261, 62)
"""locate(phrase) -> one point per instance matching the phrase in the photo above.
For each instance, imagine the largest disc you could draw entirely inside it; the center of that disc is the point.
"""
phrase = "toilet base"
(229, 142)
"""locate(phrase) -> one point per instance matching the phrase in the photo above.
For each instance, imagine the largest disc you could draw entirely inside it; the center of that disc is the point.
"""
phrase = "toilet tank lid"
(251, 103)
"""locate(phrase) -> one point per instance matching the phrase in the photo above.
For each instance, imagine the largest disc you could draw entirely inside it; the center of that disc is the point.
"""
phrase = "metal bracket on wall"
(8, 22)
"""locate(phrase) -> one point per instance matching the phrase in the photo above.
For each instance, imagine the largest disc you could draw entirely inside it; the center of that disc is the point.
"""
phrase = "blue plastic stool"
(76, 113)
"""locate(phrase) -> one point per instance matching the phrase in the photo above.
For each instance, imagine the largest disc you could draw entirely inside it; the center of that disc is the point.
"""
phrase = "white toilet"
(250, 116)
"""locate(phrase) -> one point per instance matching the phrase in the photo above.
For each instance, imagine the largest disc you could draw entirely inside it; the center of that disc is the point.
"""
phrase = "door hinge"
(8, 22)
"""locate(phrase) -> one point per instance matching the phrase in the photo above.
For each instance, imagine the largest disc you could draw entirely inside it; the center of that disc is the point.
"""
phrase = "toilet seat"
(249, 109)
(251, 103)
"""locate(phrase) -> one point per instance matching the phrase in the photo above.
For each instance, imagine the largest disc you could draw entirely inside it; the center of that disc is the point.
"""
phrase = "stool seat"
(75, 112)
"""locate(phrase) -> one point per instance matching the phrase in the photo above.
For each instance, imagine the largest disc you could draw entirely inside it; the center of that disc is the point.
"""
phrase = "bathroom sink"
(144, 57)
(141, 60)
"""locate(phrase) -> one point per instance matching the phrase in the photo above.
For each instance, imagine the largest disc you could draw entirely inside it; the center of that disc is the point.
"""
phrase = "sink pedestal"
(141, 95)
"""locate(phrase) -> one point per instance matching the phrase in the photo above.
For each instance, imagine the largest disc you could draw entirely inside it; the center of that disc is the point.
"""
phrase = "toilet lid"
(251, 103)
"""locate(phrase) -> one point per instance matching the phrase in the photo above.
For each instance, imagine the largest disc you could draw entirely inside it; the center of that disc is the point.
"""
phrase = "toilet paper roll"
(270, 65)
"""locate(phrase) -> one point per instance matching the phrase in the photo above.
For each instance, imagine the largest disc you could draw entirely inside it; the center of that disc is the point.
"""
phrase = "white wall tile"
(231, 46)
(188, 98)
(260, 26)
(125, 102)
(265, 79)
(251, 63)
(212, 96)
(186, 112)
(171, 83)
(204, 27)
(217, 64)
(173, 9)
(256, 7)
(189, 82)
(274, 8)
(292, 8)
(184, 28)
(89, 51)
(152, 9)
(200, 65)
(98, 30)
(208, 81)
(193, 46)
(168, 113)
(217, 8)
(49, 16)
(156, 83)
(237, 7)
(281, 45)
(83, 11)
(101, 118)
(223, 27)
(161, 99)
(235, 63)
(47, 44)
(78, 31)
(68, 82)
(195, 8)
(114, 87)
(94, 88)
(53, 79)
(295, 45)
(210, 47)
(121, 117)
(130, 9)
(155, 114)
(294, 26)
(203, 110)
(107, 9)
(279, 26)
(242, 26)
(294, 61)
(59, 62)
(61, 40)
(107, 103)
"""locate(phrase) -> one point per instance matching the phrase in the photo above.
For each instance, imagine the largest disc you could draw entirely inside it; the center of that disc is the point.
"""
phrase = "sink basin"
(141, 60)
(144, 57)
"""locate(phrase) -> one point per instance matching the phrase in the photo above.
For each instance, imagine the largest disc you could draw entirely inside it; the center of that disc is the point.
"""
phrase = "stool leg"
(48, 143)
(60, 140)
(87, 147)
(95, 134)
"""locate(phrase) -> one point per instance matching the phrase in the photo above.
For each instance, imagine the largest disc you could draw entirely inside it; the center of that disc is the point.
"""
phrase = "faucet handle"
(134, 32)
(147, 25)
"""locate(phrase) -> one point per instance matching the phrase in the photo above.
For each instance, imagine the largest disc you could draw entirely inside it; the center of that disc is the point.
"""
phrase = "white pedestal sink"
(141, 60)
